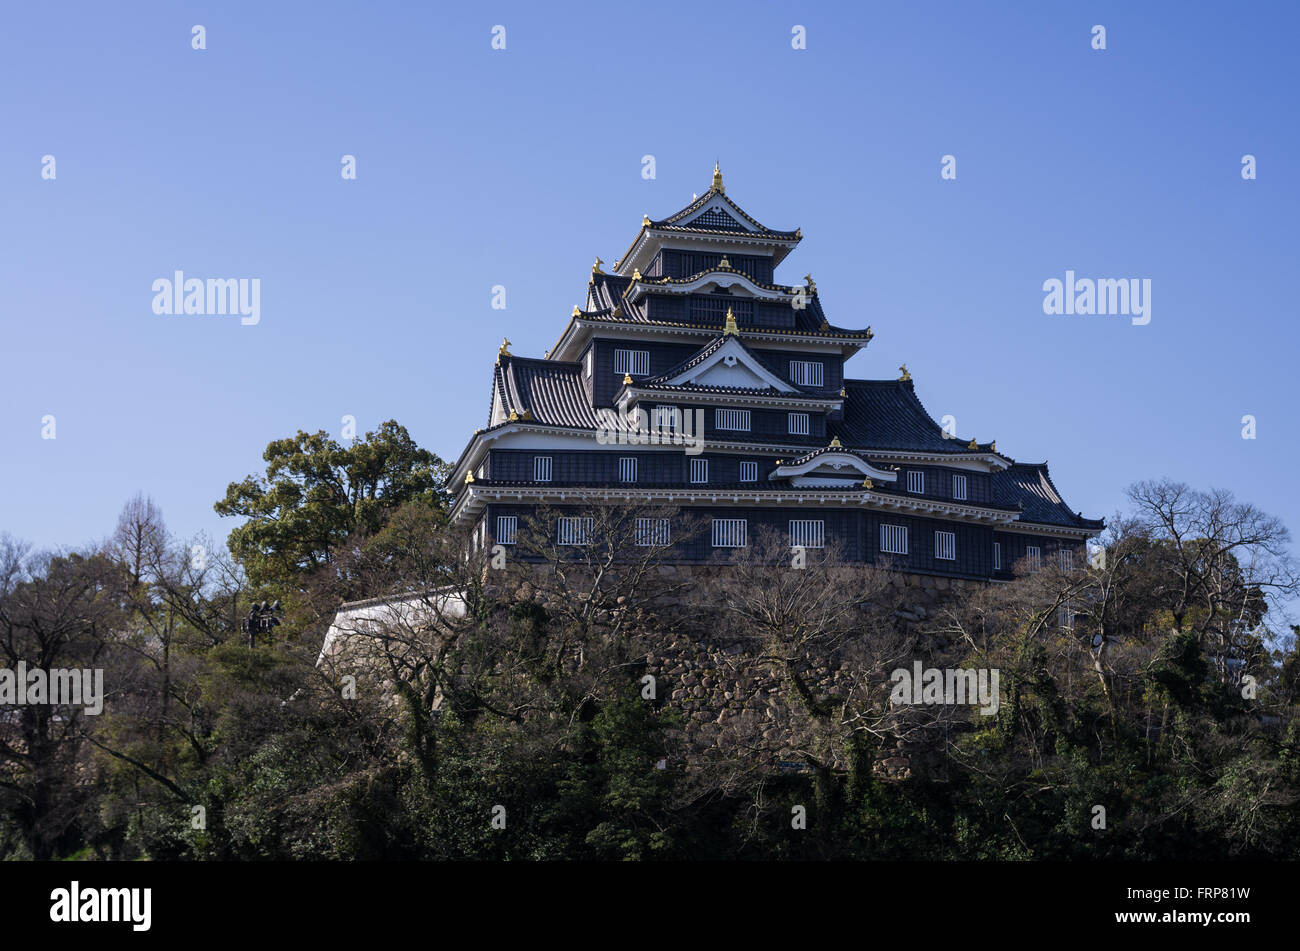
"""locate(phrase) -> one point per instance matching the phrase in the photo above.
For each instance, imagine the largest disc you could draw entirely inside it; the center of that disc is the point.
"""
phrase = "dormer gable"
(726, 362)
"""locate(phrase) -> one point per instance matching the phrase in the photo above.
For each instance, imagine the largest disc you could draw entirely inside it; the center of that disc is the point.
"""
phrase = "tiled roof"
(550, 389)
(733, 390)
(886, 414)
(605, 293)
(720, 225)
(1030, 486)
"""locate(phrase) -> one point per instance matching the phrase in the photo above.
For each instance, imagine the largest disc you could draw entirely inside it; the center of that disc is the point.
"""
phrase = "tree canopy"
(317, 493)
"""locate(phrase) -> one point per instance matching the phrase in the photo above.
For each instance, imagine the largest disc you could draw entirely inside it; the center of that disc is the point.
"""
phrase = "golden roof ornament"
(636, 274)
(973, 444)
(835, 443)
(798, 232)
(514, 417)
(826, 324)
(993, 446)
(577, 311)
(717, 180)
(504, 351)
(469, 477)
(645, 221)
(906, 375)
(595, 268)
(867, 483)
(730, 327)
(627, 379)
(724, 262)
(617, 311)
(812, 285)
(526, 415)
(843, 391)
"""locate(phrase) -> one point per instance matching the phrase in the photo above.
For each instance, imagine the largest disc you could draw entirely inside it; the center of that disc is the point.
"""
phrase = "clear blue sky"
(479, 167)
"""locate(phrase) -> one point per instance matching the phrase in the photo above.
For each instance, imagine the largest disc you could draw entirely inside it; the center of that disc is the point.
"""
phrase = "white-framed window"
(945, 545)
(959, 488)
(667, 418)
(1034, 555)
(573, 530)
(737, 419)
(807, 533)
(730, 532)
(1065, 617)
(507, 529)
(997, 556)
(1067, 559)
(806, 372)
(798, 424)
(699, 470)
(635, 362)
(893, 539)
(627, 469)
(652, 531)
(590, 357)
(915, 481)
(749, 472)
(541, 468)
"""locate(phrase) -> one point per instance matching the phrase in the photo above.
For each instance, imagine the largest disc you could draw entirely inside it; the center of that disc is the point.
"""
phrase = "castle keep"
(744, 378)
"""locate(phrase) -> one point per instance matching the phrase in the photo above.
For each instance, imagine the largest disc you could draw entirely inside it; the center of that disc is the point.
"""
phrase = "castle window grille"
(733, 419)
(945, 546)
(634, 362)
(807, 372)
(652, 531)
(730, 532)
(807, 533)
(573, 530)
(893, 539)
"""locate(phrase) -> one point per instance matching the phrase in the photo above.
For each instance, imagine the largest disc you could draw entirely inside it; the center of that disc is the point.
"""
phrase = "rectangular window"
(997, 556)
(699, 470)
(1065, 617)
(737, 419)
(807, 533)
(806, 372)
(627, 469)
(541, 468)
(959, 488)
(507, 529)
(666, 418)
(590, 352)
(945, 545)
(652, 531)
(1067, 559)
(730, 532)
(798, 424)
(1034, 555)
(749, 472)
(915, 481)
(573, 530)
(893, 539)
(635, 362)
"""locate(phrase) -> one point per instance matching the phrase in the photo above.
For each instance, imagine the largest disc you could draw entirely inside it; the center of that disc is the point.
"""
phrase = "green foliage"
(316, 494)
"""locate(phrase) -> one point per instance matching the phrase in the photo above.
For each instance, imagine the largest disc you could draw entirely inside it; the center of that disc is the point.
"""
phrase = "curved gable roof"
(886, 414)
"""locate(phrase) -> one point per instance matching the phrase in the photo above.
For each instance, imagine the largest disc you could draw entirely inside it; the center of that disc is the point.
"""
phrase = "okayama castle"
(747, 423)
